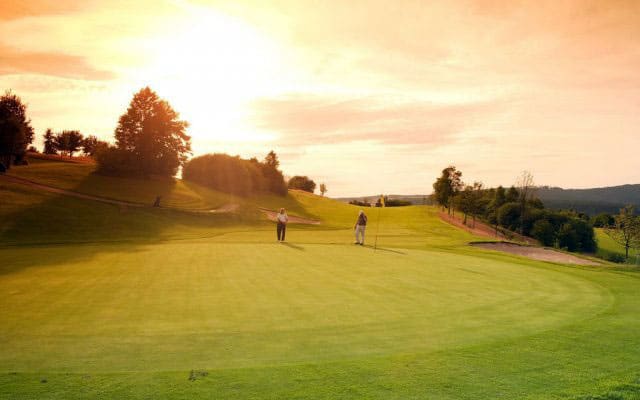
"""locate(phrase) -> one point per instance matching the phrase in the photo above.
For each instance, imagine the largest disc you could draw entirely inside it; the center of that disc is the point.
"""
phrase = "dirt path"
(536, 253)
(271, 214)
(227, 208)
(484, 230)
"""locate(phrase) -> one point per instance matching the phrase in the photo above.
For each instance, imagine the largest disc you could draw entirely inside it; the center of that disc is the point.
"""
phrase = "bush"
(232, 174)
(363, 203)
(615, 257)
(543, 232)
(113, 161)
(302, 183)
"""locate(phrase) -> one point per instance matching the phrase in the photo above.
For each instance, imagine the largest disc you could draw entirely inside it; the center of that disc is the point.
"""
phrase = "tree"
(271, 160)
(323, 189)
(499, 198)
(508, 215)
(68, 141)
(512, 195)
(49, 142)
(447, 186)
(91, 144)
(626, 229)
(16, 133)
(603, 220)
(274, 177)
(525, 191)
(302, 183)
(154, 135)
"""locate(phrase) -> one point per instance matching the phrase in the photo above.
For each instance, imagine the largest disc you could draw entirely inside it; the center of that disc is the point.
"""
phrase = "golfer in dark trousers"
(282, 220)
(360, 226)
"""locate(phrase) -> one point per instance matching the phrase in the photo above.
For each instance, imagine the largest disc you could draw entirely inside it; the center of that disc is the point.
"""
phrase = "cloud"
(10, 10)
(13, 61)
(305, 119)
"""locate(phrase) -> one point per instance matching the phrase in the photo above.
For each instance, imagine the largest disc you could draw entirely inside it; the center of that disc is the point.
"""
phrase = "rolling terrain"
(102, 300)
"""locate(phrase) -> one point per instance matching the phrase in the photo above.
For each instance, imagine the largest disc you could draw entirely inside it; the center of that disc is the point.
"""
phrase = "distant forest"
(590, 201)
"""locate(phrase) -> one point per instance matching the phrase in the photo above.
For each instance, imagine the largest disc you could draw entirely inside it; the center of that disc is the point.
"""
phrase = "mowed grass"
(607, 246)
(174, 193)
(143, 303)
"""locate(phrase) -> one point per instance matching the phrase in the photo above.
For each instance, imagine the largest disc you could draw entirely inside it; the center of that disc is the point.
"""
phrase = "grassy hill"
(591, 201)
(103, 301)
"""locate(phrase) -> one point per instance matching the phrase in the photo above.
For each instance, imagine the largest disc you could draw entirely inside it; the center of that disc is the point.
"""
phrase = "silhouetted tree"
(16, 133)
(91, 144)
(302, 183)
(447, 186)
(274, 178)
(154, 135)
(323, 189)
(271, 160)
(626, 229)
(68, 142)
(49, 142)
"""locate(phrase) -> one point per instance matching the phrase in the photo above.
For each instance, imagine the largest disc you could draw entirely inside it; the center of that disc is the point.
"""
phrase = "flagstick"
(375, 243)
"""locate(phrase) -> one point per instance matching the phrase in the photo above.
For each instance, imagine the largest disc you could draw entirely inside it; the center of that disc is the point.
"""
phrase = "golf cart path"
(536, 253)
(227, 208)
(272, 215)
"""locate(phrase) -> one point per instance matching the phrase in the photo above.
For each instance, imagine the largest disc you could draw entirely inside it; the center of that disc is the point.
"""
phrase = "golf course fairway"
(189, 307)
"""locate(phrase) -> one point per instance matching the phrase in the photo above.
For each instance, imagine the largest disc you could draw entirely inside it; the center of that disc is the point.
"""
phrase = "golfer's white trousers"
(360, 233)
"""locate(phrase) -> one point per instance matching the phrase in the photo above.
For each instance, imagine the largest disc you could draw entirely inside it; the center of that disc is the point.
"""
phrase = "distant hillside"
(417, 199)
(591, 201)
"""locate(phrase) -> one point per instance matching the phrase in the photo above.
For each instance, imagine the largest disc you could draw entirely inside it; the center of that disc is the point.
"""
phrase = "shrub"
(543, 232)
(114, 161)
(232, 174)
(302, 183)
(615, 257)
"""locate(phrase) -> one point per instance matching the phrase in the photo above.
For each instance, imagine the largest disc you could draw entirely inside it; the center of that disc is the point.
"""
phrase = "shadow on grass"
(31, 218)
(293, 246)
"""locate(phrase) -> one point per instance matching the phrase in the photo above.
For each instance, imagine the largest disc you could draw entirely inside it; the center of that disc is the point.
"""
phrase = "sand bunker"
(536, 253)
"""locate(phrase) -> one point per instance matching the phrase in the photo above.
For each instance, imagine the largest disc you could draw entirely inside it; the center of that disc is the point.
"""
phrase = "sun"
(210, 66)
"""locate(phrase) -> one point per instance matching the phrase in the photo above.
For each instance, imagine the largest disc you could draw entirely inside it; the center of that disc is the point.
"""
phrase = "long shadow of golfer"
(293, 246)
(383, 249)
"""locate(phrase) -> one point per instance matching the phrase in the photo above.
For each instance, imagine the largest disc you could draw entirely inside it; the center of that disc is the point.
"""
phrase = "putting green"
(211, 305)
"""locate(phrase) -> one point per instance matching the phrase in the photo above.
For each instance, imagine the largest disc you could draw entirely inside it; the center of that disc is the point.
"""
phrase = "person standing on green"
(282, 220)
(360, 226)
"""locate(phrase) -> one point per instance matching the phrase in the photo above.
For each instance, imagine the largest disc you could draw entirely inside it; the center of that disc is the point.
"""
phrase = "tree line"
(517, 209)
(150, 140)
(514, 209)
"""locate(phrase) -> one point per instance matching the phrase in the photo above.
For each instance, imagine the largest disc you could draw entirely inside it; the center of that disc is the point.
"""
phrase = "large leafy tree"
(447, 186)
(16, 132)
(626, 229)
(68, 142)
(153, 134)
(49, 142)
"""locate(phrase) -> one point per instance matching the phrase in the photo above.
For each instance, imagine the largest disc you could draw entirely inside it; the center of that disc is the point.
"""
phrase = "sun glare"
(211, 66)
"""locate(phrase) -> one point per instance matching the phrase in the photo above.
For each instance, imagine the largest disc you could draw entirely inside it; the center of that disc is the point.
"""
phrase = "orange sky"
(367, 96)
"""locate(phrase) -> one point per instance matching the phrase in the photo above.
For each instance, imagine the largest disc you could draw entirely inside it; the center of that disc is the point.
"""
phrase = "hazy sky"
(366, 96)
